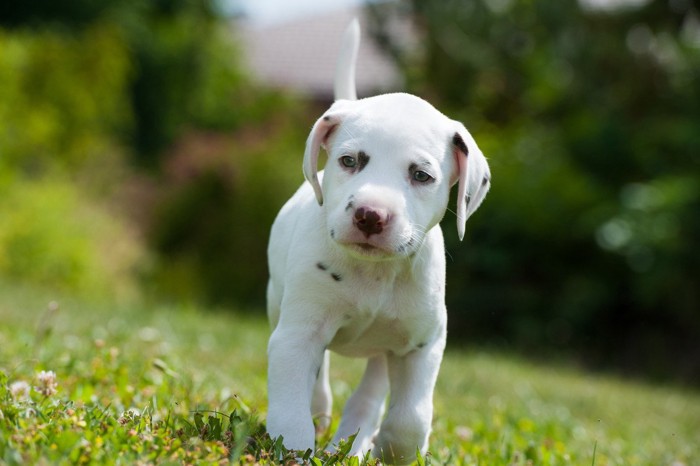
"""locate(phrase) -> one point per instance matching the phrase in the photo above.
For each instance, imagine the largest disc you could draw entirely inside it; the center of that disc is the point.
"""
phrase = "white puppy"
(357, 266)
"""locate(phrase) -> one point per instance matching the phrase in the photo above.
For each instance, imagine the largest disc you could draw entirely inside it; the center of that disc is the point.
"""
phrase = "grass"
(140, 384)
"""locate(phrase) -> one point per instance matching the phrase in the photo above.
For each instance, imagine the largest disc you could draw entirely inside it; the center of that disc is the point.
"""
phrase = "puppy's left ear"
(474, 176)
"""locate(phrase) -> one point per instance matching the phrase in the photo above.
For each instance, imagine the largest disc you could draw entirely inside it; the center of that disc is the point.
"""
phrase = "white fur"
(377, 291)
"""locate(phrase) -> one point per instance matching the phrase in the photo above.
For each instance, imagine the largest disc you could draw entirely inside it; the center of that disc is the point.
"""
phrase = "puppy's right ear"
(321, 131)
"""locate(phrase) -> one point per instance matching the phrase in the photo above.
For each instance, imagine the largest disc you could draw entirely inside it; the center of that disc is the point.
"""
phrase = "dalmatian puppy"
(357, 266)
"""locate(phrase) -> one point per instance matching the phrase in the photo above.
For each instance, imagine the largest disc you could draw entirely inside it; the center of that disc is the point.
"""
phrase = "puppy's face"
(391, 162)
(388, 175)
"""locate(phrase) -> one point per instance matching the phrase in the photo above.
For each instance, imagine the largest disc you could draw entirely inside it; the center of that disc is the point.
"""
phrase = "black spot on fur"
(333, 234)
(326, 118)
(324, 267)
(467, 199)
(421, 345)
(484, 181)
(362, 160)
(459, 144)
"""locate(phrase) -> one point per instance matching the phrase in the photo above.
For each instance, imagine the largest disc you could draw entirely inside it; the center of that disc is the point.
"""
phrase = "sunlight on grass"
(163, 384)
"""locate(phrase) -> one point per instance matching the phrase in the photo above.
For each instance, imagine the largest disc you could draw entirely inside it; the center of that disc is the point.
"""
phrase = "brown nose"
(368, 221)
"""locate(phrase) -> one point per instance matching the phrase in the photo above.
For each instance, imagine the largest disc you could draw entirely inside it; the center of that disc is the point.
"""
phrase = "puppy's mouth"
(372, 248)
(366, 247)
(368, 250)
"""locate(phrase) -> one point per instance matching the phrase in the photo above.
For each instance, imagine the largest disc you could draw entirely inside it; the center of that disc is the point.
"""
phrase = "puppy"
(357, 266)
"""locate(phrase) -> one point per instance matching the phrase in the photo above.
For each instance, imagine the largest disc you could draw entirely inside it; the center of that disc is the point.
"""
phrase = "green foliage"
(73, 13)
(587, 238)
(87, 383)
(62, 109)
(177, 56)
(52, 235)
(80, 93)
(213, 219)
(62, 101)
(589, 118)
(173, 53)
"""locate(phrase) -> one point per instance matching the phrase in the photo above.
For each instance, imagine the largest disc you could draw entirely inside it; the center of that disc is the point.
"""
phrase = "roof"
(300, 55)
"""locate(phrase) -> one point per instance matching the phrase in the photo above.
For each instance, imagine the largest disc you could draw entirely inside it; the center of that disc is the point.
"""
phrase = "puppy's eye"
(421, 176)
(348, 161)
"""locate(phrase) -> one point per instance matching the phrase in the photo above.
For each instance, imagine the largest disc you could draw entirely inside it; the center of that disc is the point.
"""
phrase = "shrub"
(62, 99)
(52, 234)
(589, 117)
(217, 202)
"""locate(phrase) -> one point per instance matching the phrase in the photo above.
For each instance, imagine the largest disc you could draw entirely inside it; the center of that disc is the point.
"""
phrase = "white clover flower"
(47, 383)
(19, 390)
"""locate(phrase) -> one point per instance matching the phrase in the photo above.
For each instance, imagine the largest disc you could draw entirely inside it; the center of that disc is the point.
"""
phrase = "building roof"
(300, 55)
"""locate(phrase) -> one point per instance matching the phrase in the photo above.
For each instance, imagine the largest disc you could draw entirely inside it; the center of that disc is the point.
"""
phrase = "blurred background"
(145, 148)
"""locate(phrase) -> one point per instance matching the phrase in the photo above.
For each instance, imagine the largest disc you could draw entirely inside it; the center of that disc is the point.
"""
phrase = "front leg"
(408, 421)
(364, 409)
(295, 356)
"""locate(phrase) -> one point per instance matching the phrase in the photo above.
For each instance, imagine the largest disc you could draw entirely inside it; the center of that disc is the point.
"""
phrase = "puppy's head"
(391, 162)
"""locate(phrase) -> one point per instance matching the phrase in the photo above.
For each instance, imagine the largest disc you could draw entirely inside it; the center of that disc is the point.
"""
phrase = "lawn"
(104, 383)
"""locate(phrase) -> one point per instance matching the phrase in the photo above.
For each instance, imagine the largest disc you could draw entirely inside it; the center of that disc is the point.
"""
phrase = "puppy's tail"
(344, 84)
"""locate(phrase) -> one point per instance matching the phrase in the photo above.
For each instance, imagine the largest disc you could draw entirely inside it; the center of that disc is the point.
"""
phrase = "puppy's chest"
(360, 287)
(379, 313)
(368, 292)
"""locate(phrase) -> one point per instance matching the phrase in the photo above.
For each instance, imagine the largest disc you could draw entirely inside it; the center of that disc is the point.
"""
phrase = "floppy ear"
(474, 176)
(318, 137)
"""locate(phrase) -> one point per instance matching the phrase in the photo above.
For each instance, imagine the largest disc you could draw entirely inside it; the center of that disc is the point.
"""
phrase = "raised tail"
(344, 84)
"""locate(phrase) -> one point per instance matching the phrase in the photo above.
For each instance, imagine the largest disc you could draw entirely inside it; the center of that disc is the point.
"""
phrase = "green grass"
(163, 385)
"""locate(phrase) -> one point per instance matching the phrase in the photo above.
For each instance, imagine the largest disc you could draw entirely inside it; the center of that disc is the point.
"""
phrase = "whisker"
(414, 239)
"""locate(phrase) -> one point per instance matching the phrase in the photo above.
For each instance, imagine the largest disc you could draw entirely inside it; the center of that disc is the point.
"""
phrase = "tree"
(589, 117)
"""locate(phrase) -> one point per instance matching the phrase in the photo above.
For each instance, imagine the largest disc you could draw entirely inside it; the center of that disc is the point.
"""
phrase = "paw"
(321, 423)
